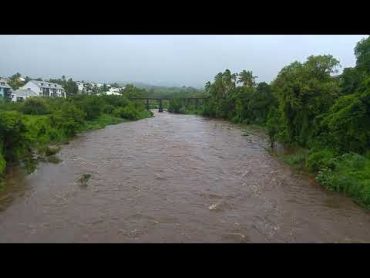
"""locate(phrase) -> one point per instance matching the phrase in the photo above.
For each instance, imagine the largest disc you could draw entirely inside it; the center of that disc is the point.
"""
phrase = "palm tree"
(247, 78)
(207, 86)
(228, 80)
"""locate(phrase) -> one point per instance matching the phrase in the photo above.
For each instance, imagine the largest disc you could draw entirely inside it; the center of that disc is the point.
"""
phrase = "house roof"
(44, 84)
(3, 83)
(25, 93)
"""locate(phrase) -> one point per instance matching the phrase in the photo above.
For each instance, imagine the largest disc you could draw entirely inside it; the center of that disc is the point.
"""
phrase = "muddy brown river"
(174, 178)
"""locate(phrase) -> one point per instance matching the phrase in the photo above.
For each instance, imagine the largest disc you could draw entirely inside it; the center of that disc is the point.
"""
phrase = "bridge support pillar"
(147, 104)
(160, 106)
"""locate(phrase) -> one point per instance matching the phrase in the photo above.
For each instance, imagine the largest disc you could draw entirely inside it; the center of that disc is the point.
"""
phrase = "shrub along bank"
(29, 127)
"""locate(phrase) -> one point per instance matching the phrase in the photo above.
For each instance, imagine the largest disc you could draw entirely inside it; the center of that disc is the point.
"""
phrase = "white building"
(114, 91)
(43, 88)
(20, 94)
(5, 89)
(81, 86)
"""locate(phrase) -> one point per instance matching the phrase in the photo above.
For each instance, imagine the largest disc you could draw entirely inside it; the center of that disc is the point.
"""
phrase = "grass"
(348, 173)
(102, 121)
(295, 158)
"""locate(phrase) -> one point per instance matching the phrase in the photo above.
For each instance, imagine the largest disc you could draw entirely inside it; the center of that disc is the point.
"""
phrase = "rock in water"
(212, 207)
(53, 159)
(84, 179)
(51, 150)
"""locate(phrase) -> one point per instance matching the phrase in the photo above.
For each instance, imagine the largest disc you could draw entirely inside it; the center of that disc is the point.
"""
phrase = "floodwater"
(174, 178)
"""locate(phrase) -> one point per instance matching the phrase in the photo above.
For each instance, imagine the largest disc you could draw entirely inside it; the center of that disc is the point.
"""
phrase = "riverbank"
(35, 129)
(347, 173)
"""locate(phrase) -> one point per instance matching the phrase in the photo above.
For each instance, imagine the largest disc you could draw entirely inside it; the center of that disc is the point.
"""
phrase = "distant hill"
(164, 91)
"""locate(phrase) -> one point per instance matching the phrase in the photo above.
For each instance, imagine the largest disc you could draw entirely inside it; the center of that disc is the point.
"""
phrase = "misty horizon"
(164, 60)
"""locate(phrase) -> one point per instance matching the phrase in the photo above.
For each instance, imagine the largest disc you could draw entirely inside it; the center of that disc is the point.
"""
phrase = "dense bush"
(91, 106)
(40, 130)
(2, 163)
(128, 112)
(108, 109)
(13, 138)
(115, 100)
(68, 119)
(35, 106)
(320, 159)
(176, 105)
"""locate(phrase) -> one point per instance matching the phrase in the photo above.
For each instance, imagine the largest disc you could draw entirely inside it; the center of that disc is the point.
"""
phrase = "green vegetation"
(102, 121)
(176, 93)
(15, 82)
(161, 91)
(348, 173)
(182, 105)
(322, 118)
(35, 124)
(69, 85)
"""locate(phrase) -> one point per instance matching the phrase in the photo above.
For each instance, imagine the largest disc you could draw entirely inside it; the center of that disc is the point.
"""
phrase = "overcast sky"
(189, 60)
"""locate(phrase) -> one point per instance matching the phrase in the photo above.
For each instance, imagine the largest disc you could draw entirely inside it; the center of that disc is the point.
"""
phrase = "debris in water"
(213, 206)
(237, 234)
(84, 179)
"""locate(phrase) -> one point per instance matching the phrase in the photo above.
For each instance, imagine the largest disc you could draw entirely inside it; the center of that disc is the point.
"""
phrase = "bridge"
(188, 100)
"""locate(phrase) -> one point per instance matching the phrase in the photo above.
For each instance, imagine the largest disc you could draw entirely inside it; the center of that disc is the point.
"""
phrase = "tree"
(132, 91)
(362, 53)
(346, 126)
(350, 80)
(305, 91)
(17, 75)
(261, 102)
(228, 81)
(247, 78)
(207, 86)
(15, 82)
(70, 87)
